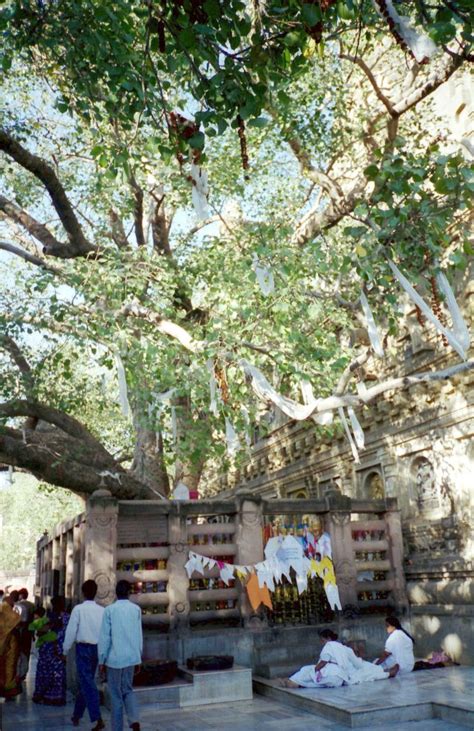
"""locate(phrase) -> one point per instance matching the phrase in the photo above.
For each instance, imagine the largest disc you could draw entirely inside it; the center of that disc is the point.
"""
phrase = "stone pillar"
(178, 581)
(100, 537)
(337, 522)
(69, 584)
(395, 551)
(249, 540)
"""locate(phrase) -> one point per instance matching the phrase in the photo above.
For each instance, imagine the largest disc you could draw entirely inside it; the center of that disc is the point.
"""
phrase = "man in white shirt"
(120, 650)
(83, 629)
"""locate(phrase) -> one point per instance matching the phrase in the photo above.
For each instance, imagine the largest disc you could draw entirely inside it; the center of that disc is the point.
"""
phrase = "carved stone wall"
(419, 449)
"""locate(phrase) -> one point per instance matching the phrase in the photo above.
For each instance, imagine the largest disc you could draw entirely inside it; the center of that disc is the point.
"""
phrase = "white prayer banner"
(460, 329)
(374, 337)
(122, 381)
(355, 453)
(264, 277)
(429, 314)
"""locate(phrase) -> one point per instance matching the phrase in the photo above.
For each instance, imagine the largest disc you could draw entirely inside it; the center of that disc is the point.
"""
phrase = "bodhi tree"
(312, 124)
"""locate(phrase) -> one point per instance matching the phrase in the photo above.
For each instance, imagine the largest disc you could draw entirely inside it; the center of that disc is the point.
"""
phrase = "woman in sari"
(338, 665)
(398, 654)
(10, 685)
(50, 683)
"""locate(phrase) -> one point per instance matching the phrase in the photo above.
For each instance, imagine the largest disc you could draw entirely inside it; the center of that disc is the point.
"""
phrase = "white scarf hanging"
(374, 337)
(266, 392)
(233, 442)
(422, 47)
(264, 277)
(200, 191)
(356, 428)
(122, 382)
(460, 329)
(450, 337)
(355, 453)
(213, 388)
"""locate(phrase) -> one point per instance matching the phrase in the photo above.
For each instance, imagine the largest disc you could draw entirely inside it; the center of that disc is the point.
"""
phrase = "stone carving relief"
(374, 487)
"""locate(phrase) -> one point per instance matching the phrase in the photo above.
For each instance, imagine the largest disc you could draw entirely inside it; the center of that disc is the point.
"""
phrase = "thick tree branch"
(138, 212)
(19, 359)
(117, 230)
(435, 80)
(160, 228)
(367, 71)
(34, 227)
(163, 325)
(60, 419)
(67, 463)
(78, 244)
(30, 258)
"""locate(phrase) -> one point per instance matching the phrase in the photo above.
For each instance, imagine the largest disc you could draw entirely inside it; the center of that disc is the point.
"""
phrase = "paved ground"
(260, 714)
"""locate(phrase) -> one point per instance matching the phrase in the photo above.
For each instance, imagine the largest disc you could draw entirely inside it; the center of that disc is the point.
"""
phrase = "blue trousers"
(120, 684)
(87, 693)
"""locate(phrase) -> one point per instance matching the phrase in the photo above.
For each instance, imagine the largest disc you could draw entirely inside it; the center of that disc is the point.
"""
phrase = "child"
(40, 625)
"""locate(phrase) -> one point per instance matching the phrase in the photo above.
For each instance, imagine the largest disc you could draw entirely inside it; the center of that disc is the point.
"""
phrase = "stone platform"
(446, 693)
(198, 688)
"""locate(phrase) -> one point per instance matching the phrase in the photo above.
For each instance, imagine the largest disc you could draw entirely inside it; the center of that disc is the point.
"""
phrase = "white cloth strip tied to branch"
(122, 382)
(232, 439)
(307, 392)
(266, 392)
(264, 277)
(421, 45)
(356, 428)
(200, 191)
(355, 453)
(374, 337)
(429, 314)
(213, 388)
(460, 329)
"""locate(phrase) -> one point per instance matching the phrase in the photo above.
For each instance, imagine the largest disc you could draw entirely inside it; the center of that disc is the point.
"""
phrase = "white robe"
(343, 668)
(400, 647)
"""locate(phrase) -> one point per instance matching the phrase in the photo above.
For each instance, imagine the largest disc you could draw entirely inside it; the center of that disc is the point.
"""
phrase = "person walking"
(84, 629)
(27, 609)
(9, 649)
(120, 650)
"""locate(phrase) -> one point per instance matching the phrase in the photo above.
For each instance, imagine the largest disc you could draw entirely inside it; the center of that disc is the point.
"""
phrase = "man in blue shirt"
(120, 650)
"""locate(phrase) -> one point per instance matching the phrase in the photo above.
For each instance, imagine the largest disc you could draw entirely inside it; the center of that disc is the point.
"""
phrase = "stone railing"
(147, 543)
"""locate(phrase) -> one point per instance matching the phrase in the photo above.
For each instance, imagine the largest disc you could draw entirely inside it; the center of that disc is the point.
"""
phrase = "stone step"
(282, 653)
(444, 694)
(281, 669)
(196, 688)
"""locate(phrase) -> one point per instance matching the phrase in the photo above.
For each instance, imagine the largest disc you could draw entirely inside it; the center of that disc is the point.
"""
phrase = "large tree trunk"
(148, 461)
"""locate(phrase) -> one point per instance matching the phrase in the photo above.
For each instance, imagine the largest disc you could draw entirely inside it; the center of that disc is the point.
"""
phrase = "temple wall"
(420, 450)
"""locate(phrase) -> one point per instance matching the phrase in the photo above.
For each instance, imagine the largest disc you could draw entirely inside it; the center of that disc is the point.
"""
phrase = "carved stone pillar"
(395, 543)
(178, 581)
(249, 541)
(100, 544)
(337, 522)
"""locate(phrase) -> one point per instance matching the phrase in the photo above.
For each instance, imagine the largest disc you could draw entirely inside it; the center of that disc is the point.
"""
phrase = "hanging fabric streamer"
(174, 424)
(356, 428)
(460, 329)
(427, 310)
(374, 337)
(122, 381)
(213, 388)
(266, 392)
(355, 453)
(264, 277)
(199, 293)
(233, 442)
(323, 419)
(421, 45)
(307, 392)
(200, 190)
(246, 416)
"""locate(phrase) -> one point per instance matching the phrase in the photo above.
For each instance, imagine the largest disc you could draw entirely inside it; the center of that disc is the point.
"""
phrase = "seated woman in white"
(338, 665)
(398, 655)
